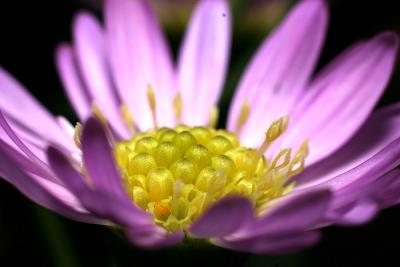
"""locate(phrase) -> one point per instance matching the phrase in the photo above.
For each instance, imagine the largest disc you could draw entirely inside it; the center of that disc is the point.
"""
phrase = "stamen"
(78, 135)
(244, 115)
(178, 108)
(214, 115)
(276, 129)
(128, 118)
(298, 162)
(152, 103)
(98, 114)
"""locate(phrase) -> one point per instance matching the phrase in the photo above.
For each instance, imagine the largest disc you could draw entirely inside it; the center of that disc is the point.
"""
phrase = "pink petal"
(17, 103)
(73, 84)
(154, 239)
(91, 55)
(342, 98)
(139, 57)
(382, 128)
(203, 60)
(224, 218)
(280, 70)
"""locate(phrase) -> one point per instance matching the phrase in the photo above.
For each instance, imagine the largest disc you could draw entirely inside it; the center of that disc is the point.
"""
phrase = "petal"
(224, 218)
(17, 103)
(139, 57)
(154, 239)
(21, 145)
(359, 212)
(291, 214)
(343, 97)
(41, 191)
(72, 81)
(280, 69)
(101, 203)
(91, 56)
(382, 128)
(99, 161)
(203, 60)
(365, 173)
(273, 246)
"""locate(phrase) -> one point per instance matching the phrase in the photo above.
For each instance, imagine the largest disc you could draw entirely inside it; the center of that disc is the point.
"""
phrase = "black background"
(30, 235)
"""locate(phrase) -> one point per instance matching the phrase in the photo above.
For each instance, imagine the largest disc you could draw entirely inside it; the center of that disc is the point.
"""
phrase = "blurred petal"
(17, 103)
(273, 246)
(73, 84)
(154, 239)
(224, 218)
(343, 97)
(359, 212)
(203, 60)
(139, 57)
(99, 160)
(91, 52)
(100, 203)
(41, 191)
(280, 70)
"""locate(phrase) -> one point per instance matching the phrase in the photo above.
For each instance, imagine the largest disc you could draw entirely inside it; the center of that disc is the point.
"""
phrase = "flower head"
(299, 152)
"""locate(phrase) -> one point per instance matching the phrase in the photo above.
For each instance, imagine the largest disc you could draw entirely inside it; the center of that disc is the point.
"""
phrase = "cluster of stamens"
(175, 174)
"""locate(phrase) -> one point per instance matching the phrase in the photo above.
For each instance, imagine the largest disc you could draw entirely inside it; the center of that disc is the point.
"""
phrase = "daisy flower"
(300, 151)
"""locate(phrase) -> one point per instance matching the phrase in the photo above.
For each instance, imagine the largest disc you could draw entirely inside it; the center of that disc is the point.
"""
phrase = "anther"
(243, 116)
(151, 98)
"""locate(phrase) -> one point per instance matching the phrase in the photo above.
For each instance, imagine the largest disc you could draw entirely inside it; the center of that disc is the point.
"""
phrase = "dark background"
(30, 235)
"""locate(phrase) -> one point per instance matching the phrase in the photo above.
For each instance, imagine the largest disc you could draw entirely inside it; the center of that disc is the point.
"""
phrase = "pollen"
(177, 173)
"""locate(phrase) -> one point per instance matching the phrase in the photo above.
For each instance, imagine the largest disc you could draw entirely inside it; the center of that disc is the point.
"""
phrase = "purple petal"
(139, 57)
(91, 55)
(101, 203)
(273, 246)
(359, 212)
(343, 97)
(17, 103)
(99, 160)
(291, 214)
(41, 191)
(203, 60)
(280, 69)
(365, 173)
(73, 84)
(382, 128)
(154, 239)
(224, 218)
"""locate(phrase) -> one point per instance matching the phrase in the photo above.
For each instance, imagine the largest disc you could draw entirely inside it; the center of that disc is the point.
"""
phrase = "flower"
(149, 160)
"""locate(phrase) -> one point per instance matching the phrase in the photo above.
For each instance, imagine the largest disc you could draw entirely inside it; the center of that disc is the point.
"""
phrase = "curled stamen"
(298, 162)
(152, 103)
(285, 154)
(243, 116)
(98, 114)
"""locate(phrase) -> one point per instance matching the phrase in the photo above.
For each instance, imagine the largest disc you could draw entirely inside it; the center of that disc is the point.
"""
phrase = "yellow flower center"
(177, 173)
